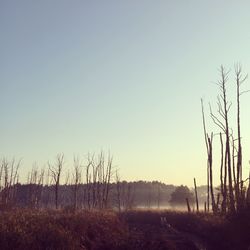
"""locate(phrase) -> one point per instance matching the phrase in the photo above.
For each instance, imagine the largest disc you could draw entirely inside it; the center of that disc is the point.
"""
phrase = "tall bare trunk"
(196, 196)
(210, 165)
(205, 136)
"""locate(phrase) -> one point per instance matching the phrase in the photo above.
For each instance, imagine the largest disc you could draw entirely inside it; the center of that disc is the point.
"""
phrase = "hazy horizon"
(124, 77)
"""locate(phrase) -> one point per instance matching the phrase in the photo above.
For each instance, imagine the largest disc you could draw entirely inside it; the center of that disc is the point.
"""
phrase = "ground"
(100, 230)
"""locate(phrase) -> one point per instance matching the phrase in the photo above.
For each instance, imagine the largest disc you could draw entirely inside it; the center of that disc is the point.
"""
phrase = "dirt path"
(196, 240)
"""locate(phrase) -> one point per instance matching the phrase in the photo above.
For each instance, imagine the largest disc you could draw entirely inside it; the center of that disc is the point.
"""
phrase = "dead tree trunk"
(196, 196)
(223, 188)
(210, 166)
(188, 205)
(239, 183)
(205, 135)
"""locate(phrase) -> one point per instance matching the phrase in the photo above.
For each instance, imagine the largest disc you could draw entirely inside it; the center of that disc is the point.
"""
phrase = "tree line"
(91, 184)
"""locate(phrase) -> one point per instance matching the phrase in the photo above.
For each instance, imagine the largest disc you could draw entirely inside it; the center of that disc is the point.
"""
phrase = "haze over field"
(122, 76)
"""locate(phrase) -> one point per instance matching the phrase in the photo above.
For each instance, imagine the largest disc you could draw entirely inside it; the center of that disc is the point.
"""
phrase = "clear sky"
(121, 76)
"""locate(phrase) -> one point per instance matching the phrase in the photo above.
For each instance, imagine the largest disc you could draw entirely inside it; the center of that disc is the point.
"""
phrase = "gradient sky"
(120, 76)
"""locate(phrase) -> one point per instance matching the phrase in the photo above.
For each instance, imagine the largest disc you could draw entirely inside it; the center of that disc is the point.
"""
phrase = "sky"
(125, 77)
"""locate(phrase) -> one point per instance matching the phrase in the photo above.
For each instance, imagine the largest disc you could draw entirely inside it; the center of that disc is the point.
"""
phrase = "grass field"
(30, 229)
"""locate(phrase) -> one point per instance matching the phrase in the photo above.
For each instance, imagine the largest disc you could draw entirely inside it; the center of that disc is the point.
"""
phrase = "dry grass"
(205, 230)
(59, 230)
(29, 229)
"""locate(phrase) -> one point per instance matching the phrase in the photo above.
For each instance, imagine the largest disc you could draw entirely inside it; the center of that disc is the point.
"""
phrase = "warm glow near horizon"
(119, 76)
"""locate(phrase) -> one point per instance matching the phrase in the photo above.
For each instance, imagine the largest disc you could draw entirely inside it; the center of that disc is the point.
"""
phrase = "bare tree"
(118, 190)
(209, 143)
(222, 122)
(239, 184)
(98, 180)
(207, 147)
(77, 179)
(90, 160)
(107, 179)
(232, 190)
(9, 174)
(35, 182)
(56, 171)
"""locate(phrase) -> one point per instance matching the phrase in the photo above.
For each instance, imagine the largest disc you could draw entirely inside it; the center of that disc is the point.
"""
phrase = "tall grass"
(27, 229)
(135, 230)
